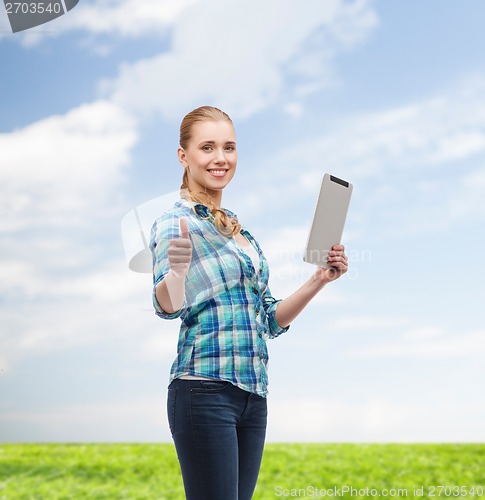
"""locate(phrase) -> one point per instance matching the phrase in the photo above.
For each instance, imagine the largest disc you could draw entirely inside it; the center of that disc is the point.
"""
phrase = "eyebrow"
(213, 142)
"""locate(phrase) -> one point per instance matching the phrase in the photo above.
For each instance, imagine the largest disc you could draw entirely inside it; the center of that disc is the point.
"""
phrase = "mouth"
(217, 172)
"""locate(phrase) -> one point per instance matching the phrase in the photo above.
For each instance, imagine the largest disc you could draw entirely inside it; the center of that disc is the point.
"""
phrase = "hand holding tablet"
(328, 225)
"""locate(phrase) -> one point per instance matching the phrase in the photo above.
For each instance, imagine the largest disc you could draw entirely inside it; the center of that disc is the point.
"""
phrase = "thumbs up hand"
(180, 251)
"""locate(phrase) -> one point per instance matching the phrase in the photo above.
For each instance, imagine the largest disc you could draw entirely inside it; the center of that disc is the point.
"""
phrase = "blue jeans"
(219, 432)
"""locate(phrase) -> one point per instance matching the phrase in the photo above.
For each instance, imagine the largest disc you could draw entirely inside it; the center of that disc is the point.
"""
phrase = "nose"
(219, 157)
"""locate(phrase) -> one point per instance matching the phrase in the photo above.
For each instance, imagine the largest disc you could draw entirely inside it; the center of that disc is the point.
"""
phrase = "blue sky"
(388, 95)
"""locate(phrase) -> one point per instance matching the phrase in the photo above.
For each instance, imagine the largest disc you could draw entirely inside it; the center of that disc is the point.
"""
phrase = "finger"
(184, 227)
(339, 265)
(338, 247)
(337, 255)
(333, 253)
(181, 243)
(338, 262)
(336, 259)
(179, 250)
(179, 259)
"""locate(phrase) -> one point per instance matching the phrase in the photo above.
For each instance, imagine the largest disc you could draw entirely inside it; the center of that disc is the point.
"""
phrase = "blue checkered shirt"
(228, 311)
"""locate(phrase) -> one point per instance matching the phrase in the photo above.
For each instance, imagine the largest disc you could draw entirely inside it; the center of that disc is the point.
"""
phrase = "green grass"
(151, 471)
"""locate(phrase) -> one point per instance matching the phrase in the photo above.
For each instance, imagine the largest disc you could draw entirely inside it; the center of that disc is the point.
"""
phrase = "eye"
(206, 148)
(231, 148)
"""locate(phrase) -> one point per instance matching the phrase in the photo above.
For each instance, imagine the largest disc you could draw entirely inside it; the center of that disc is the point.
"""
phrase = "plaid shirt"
(228, 312)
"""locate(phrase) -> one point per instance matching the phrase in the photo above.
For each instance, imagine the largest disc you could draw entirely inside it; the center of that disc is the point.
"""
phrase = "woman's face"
(210, 155)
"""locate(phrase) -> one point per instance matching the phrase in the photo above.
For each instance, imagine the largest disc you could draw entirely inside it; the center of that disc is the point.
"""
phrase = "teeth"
(217, 171)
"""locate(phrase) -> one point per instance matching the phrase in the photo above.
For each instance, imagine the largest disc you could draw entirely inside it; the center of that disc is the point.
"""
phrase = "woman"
(210, 271)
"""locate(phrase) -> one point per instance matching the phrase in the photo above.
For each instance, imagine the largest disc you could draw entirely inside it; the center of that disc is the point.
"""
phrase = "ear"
(182, 157)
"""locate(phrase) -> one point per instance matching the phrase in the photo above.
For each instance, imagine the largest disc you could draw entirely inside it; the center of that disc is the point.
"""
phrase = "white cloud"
(423, 332)
(212, 58)
(121, 327)
(47, 311)
(368, 323)
(441, 129)
(63, 169)
(429, 342)
(143, 419)
(59, 179)
(376, 419)
(129, 18)
(294, 109)
(125, 18)
(162, 344)
(466, 201)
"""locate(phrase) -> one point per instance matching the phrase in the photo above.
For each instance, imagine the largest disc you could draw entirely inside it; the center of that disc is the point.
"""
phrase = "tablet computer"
(328, 220)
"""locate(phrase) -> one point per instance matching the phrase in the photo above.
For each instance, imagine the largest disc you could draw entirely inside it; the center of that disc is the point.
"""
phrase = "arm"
(171, 261)
(170, 292)
(289, 308)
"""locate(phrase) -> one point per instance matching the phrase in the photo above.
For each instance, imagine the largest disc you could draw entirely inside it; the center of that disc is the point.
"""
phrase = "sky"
(389, 96)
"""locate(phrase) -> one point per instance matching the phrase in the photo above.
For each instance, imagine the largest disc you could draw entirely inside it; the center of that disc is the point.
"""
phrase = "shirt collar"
(201, 209)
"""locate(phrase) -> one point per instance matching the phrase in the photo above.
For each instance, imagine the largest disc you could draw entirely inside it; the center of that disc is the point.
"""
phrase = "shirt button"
(257, 312)
(260, 335)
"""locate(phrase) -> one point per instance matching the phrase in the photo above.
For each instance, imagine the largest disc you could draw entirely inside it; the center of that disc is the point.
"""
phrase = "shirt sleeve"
(163, 230)
(270, 304)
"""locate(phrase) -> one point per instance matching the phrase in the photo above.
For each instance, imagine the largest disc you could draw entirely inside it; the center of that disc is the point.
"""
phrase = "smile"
(217, 172)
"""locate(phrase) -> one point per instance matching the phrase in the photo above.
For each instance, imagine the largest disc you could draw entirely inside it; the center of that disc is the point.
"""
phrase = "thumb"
(184, 227)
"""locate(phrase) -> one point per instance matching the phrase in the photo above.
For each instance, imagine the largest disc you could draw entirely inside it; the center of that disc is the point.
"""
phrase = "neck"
(214, 194)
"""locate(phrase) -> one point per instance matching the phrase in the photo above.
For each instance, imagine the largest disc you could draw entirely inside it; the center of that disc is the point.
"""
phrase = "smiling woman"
(210, 271)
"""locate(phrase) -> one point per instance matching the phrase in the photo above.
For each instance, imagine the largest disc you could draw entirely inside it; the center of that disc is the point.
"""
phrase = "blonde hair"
(227, 226)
